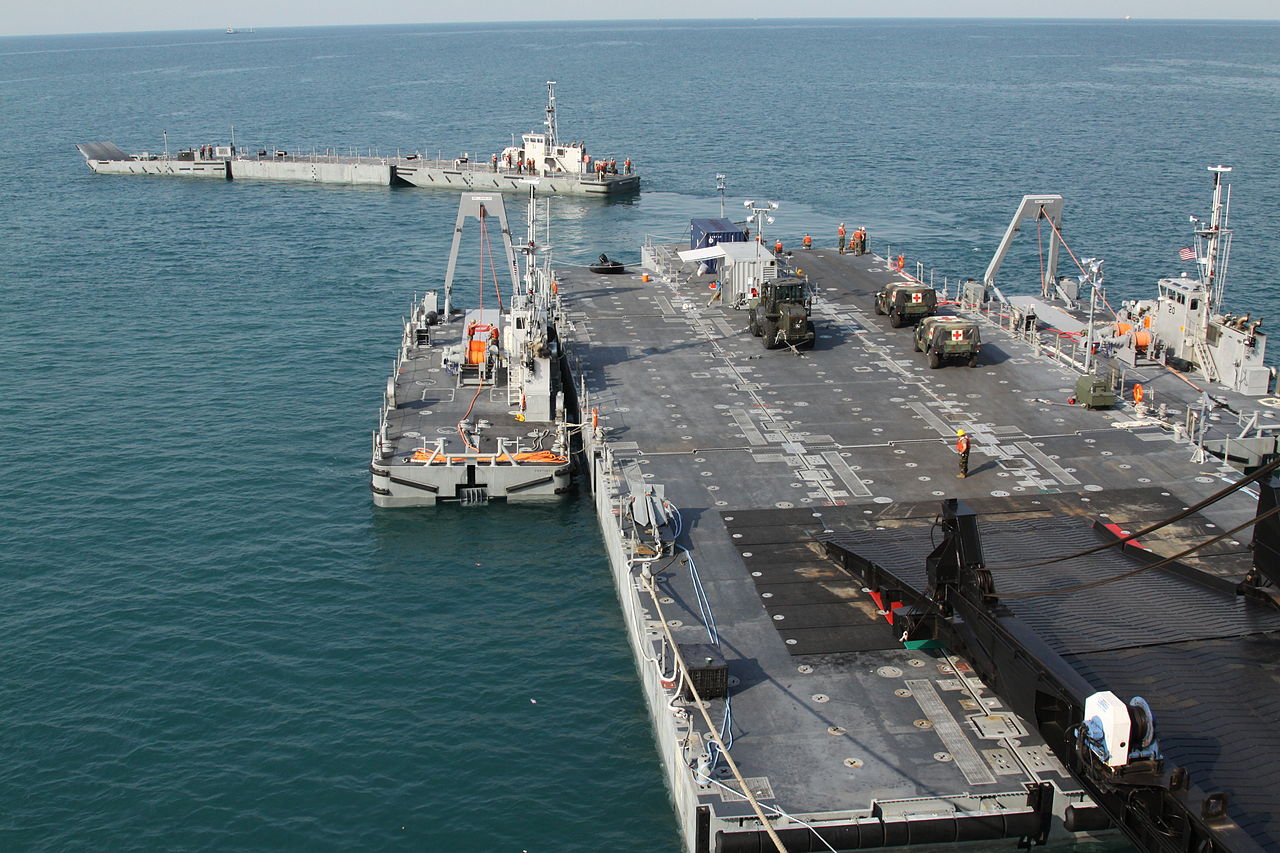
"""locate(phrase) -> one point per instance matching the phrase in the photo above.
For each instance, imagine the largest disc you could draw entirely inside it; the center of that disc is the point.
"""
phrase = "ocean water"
(209, 638)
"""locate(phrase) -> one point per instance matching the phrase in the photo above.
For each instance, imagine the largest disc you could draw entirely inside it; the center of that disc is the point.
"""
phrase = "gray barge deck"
(835, 726)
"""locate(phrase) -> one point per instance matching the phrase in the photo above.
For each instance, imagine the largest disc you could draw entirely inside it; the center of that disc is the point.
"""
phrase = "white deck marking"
(847, 474)
(1048, 465)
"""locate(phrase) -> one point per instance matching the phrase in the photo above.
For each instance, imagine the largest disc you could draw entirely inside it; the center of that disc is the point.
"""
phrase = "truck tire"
(879, 310)
(973, 360)
(935, 360)
(895, 320)
(753, 325)
(769, 335)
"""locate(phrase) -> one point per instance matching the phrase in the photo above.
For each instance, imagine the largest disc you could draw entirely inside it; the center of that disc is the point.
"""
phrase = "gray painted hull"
(371, 171)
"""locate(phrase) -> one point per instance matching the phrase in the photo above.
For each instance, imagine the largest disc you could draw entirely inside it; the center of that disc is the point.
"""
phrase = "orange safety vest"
(808, 241)
(840, 230)
(962, 446)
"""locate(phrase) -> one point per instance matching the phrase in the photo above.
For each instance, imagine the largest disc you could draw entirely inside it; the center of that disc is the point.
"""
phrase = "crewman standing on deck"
(626, 166)
(902, 262)
(807, 242)
(840, 232)
(962, 448)
(777, 248)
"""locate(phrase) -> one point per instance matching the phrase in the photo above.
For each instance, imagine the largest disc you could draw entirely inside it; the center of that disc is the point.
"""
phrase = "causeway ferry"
(561, 167)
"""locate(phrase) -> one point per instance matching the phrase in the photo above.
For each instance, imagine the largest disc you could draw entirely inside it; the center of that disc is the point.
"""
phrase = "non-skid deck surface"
(762, 448)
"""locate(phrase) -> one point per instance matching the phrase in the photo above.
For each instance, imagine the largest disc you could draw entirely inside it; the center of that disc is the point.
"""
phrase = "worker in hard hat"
(807, 242)
(840, 232)
(962, 448)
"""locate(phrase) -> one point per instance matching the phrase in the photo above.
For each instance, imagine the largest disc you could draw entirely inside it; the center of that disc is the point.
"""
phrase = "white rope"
(711, 727)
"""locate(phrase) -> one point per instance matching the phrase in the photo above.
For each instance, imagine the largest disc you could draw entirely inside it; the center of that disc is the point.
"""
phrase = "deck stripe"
(1048, 465)
(967, 760)
(847, 474)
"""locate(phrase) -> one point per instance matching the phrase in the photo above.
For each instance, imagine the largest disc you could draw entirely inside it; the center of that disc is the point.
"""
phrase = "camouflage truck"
(948, 339)
(906, 302)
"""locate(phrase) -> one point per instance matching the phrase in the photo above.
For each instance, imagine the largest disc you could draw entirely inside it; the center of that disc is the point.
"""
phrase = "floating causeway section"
(716, 465)
(452, 175)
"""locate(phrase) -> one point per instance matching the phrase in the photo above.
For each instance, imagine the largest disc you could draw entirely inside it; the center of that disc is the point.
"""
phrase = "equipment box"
(711, 232)
(1094, 393)
(707, 670)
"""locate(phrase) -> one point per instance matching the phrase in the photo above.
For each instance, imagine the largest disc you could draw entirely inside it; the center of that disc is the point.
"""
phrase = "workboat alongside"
(475, 408)
(829, 661)
(562, 167)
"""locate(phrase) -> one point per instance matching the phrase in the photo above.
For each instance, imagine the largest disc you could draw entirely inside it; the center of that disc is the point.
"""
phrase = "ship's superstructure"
(475, 408)
(1187, 318)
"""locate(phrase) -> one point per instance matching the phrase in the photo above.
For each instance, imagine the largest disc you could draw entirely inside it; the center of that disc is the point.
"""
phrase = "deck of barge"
(832, 720)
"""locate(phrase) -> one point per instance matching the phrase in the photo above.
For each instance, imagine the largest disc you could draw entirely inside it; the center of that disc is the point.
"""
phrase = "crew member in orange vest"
(962, 448)
(840, 232)
(807, 242)
(902, 262)
(777, 248)
(626, 166)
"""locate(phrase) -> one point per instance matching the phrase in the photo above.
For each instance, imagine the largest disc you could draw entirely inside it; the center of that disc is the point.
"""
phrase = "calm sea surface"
(209, 638)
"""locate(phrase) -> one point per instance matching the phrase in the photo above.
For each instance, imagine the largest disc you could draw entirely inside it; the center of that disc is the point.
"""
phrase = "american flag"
(1187, 254)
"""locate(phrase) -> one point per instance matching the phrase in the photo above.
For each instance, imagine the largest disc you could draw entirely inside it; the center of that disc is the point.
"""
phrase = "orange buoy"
(1137, 393)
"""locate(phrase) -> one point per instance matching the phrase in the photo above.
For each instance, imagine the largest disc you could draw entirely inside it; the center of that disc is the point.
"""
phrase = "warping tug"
(475, 407)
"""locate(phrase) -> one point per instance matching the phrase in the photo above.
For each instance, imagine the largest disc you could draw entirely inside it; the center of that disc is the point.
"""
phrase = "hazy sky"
(24, 17)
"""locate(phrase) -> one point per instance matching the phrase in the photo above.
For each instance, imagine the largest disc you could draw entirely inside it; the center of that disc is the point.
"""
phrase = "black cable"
(1256, 475)
(1166, 561)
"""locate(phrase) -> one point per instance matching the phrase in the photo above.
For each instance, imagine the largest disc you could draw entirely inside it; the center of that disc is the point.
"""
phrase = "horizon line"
(1122, 19)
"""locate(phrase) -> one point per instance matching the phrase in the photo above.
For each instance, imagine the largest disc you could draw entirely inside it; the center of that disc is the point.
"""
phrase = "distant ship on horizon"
(233, 31)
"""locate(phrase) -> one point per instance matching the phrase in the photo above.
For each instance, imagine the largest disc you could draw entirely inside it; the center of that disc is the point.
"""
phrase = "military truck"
(780, 315)
(906, 302)
(948, 339)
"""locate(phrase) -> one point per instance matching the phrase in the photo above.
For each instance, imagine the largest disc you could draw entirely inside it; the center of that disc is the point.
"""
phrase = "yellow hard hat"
(959, 432)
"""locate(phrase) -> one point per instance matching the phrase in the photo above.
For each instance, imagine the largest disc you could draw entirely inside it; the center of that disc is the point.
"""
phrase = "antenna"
(720, 187)
(1217, 238)
(553, 132)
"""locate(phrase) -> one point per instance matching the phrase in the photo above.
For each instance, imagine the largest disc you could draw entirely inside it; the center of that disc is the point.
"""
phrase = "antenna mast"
(553, 132)
(1217, 240)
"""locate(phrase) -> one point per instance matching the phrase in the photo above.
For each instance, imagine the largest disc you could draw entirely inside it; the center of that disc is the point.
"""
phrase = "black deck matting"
(816, 606)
